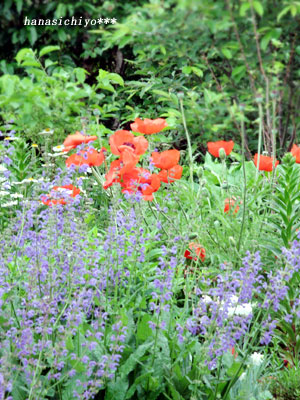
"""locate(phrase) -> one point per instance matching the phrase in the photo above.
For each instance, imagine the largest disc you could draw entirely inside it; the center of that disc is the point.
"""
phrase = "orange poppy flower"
(75, 140)
(196, 249)
(122, 140)
(139, 179)
(91, 157)
(170, 175)
(66, 190)
(296, 153)
(113, 174)
(165, 160)
(265, 163)
(229, 204)
(148, 126)
(128, 160)
(214, 147)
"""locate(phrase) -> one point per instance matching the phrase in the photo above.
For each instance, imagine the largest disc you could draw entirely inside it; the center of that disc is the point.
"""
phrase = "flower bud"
(193, 235)
(96, 112)
(200, 172)
(288, 159)
(222, 154)
(180, 95)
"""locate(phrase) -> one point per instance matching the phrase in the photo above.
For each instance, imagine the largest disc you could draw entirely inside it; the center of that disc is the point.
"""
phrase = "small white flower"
(9, 204)
(62, 153)
(27, 180)
(256, 358)
(242, 310)
(3, 193)
(59, 148)
(243, 376)
(46, 131)
(2, 168)
(16, 196)
(206, 299)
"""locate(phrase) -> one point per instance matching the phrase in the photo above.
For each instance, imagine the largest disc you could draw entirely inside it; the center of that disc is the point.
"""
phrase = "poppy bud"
(193, 235)
(288, 159)
(200, 172)
(222, 154)
(180, 95)
(242, 106)
(258, 99)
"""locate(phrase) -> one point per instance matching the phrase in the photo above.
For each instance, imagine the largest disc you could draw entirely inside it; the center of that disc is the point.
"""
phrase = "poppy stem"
(259, 134)
(188, 142)
(245, 180)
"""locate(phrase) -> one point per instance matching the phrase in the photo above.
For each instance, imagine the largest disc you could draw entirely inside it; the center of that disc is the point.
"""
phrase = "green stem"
(259, 136)
(189, 144)
(245, 182)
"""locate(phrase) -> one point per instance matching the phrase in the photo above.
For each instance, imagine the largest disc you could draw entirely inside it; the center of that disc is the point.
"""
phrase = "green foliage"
(52, 97)
(286, 386)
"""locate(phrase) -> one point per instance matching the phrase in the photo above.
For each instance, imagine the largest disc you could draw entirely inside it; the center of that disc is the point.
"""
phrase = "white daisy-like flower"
(3, 193)
(62, 153)
(46, 131)
(16, 196)
(59, 148)
(28, 180)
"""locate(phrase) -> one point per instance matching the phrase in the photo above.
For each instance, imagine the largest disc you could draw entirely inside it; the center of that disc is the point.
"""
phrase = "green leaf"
(48, 49)
(143, 329)
(80, 74)
(23, 54)
(227, 53)
(32, 35)
(197, 71)
(116, 78)
(186, 70)
(244, 8)
(135, 358)
(258, 8)
(283, 12)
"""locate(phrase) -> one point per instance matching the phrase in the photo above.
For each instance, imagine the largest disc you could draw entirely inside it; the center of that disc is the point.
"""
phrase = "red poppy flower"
(196, 249)
(66, 190)
(265, 163)
(214, 147)
(75, 140)
(128, 160)
(296, 153)
(113, 174)
(139, 179)
(165, 160)
(170, 175)
(122, 140)
(91, 157)
(148, 126)
(229, 204)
